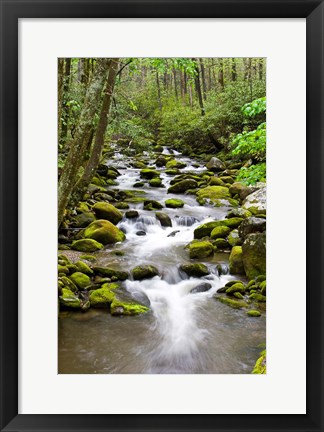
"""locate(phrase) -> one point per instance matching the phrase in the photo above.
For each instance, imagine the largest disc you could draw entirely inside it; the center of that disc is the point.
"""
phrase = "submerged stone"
(144, 272)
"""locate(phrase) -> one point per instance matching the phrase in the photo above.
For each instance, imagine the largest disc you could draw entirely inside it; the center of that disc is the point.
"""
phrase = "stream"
(184, 333)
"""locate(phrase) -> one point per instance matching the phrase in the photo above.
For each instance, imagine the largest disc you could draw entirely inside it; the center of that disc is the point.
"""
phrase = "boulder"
(86, 245)
(256, 202)
(203, 287)
(83, 268)
(174, 164)
(174, 203)
(220, 232)
(155, 182)
(103, 297)
(215, 165)
(149, 173)
(234, 239)
(206, 228)
(235, 261)
(104, 232)
(251, 225)
(200, 249)
(161, 161)
(215, 181)
(254, 255)
(81, 280)
(111, 273)
(196, 269)
(213, 194)
(104, 210)
(237, 287)
(183, 186)
(144, 272)
(152, 205)
(69, 299)
(131, 214)
(164, 219)
(82, 220)
(238, 212)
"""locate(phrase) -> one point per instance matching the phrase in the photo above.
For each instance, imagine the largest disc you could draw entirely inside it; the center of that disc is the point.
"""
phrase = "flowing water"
(184, 332)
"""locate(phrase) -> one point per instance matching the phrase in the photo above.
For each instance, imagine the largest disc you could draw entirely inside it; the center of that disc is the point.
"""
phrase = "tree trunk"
(158, 89)
(198, 88)
(65, 109)
(99, 140)
(74, 159)
(260, 69)
(221, 74)
(60, 81)
(234, 73)
(175, 82)
(203, 79)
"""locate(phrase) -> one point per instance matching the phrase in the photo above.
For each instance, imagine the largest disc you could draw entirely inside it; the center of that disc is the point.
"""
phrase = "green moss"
(88, 257)
(69, 299)
(86, 245)
(81, 280)
(174, 164)
(172, 172)
(104, 210)
(62, 269)
(196, 269)
(263, 287)
(234, 239)
(220, 232)
(109, 272)
(155, 182)
(174, 203)
(149, 173)
(144, 272)
(122, 206)
(182, 186)
(102, 297)
(215, 181)
(68, 283)
(261, 364)
(237, 287)
(235, 304)
(83, 268)
(104, 232)
(238, 295)
(206, 229)
(64, 258)
(258, 297)
(221, 243)
(213, 193)
(253, 313)
(235, 261)
(121, 308)
(201, 249)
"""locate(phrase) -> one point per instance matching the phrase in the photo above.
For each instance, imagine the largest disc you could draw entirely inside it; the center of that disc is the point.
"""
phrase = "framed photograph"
(161, 223)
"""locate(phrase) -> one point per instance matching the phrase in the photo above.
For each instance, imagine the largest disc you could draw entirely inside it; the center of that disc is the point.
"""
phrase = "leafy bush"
(253, 174)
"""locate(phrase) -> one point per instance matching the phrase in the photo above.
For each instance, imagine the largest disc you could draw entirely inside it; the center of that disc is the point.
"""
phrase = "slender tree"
(198, 87)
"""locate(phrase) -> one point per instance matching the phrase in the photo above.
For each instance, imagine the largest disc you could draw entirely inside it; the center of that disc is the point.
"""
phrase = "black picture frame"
(11, 11)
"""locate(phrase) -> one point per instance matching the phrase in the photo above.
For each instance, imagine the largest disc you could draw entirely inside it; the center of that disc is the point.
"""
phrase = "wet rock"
(253, 313)
(236, 261)
(149, 173)
(86, 245)
(256, 202)
(174, 203)
(122, 206)
(140, 233)
(108, 212)
(238, 212)
(82, 220)
(215, 181)
(212, 194)
(257, 297)
(164, 219)
(104, 232)
(172, 172)
(131, 214)
(81, 280)
(173, 233)
(221, 244)
(206, 229)
(103, 297)
(69, 300)
(235, 304)
(251, 225)
(196, 269)
(109, 272)
(152, 205)
(183, 186)
(83, 268)
(138, 184)
(144, 272)
(234, 239)
(200, 249)
(203, 287)
(237, 287)
(227, 179)
(155, 182)
(254, 255)
(220, 232)
(161, 161)
(215, 165)
(174, 164)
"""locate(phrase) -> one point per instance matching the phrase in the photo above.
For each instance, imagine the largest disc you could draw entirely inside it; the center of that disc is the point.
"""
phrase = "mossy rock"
(122, 206)
(88, 257)
(69, 299)
(260, 278)
(144, 272)
(215, 181)
(164, 219)
(174, 203)
(138, 165)
(152, 205)
(82, 220)
(102, 297)
(254, 255)
(238, 295)
(62, 269)
(182, 186)
(238, 212)
(252, 225)
(201, 249)
(149, 173)
(81, 280)
(83, 268)
(261, 364)
(155, 182)
(221, 243)
(235, 261)
(258, 297)
(263, 287)
(86, 245)
(104, 232)
(108, 212)
(109, 272)
(196, 269)
(161, 161)
(253, 313)
(174, 164)
(234, 239)
(205, 229)
(237, 287)
(121, 308)
(68, 283)
(235, 304)
(215, 164)
(220, 232)
(171, 172)
(213, 194)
